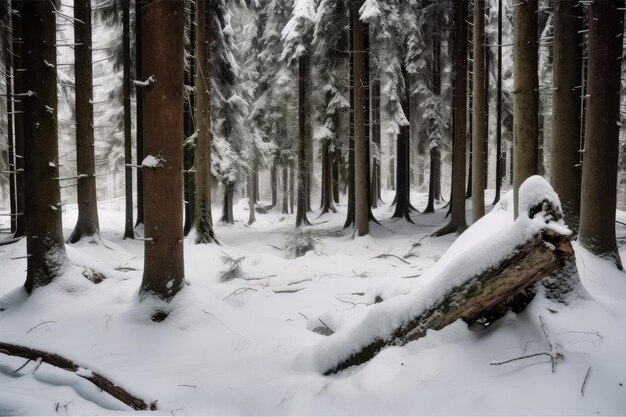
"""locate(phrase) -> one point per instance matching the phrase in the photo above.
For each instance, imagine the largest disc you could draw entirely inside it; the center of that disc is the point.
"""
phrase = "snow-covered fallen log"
(474, 284)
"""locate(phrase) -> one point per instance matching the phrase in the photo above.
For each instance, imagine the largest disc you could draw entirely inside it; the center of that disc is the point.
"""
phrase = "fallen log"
(95, 378)
(471, 287)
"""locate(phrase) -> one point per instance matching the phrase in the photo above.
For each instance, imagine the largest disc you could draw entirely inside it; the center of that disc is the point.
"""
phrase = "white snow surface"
(246, 346)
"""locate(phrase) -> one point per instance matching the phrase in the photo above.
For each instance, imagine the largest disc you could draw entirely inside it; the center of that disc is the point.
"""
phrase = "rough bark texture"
(9, 69)
(138, 94)
(128, 154)
(479, 125)
(163, 116)
(95, 378)
(457, 220)
(351, 179)
(203, 222)
(599, 176)
(189, 130)
(525, 94)
(44, 231)
(87, 223)
(376, 135)
(567, 72)
(499, 162)
(478, 296)
(361, 160)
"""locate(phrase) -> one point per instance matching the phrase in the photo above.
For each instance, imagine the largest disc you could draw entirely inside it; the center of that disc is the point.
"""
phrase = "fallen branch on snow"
(95, 378)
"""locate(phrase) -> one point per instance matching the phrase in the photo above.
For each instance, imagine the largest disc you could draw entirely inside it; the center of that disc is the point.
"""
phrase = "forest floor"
(233, 347)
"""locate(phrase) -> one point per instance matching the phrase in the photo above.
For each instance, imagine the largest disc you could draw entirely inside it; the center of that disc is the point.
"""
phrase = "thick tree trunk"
(162, 57)
(499, 159)
(403, 180)
(599, 175)
(479, 132)
(457, 221)
(87, 223)
(102, 382)
(303, 74)
(138, 94)
(361, 160)
(567, 72)
(203, 221)
(483, 295)
(44, 231)
(525, 94)
(128, 154)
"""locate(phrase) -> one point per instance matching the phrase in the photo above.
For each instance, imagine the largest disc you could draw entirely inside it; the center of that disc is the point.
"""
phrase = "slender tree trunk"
(599, 175)
(403, 180)
(189, 123)
(351, 176)
(203, 221)
(499, 159)
(376, 134)
(361, 161)
(470, 102)
(479, 133)
(303, 74)
(328, 201)
(227, 208)
(567, 70)
(9, 69)
(336, 161)
(457, 220)
(128, 171)
(525, 94)
(162, 56)
(251, 203)
(44, 230)
(18, 120)
(257, 195)
(292, 192)
(432, 181)
(87, 224)
(139, 96)
(274, 183)
(285, 190)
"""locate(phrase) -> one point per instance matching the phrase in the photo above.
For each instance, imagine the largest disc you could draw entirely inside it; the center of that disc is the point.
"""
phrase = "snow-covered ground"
(235, 347)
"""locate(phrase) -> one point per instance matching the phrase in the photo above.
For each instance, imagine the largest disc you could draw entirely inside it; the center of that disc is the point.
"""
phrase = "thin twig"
(520, 358)
(582, 388)
(225, 325)
(388, 255)
(43, 322)
(239, 291)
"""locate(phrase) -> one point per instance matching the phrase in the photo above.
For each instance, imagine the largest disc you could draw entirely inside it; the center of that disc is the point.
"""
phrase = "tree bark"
(44, 231)
(203, 222)
(139, 95)
(479, 296)
(567, 72)
(303, 74)
(479, 132)
(227, 208)
(102, 382)
(274, 183)
(128, 153)
(361, 160)
(162, 57)
(435, 167)
(457, 220)
(599, 175)
(525, 94)
(376, 135)
(9, 69)
(499, 162)
(87, 223)
(251, 203)
(18, 120)
(328, 201)
(189, 122)
(285, 190)
(351, 178)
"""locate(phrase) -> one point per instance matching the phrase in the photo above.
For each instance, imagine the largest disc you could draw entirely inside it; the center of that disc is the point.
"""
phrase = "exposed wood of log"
(478, 296)
(95, 378)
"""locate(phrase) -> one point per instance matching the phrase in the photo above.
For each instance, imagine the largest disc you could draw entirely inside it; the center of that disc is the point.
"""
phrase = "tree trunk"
(251, 203)
(567, 72)
(470, 103)
(285, 190)
(303, 124)
(139, 95)
(479, 132)
(336, 161)
(189, 122)
(18, 120)
(525, 94)
(162, 57)
(599, 175)
(483, 295)
(376, 135)
(87, 223)
(128, 153)
(499, 163)
(44, 230)
(274, 183)
(435, 163)
(203, 221)
(351, 182)
(457, 220)
(328, 201)
(9, 69)
(361, 201)
(227, 208)
(292, 192)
